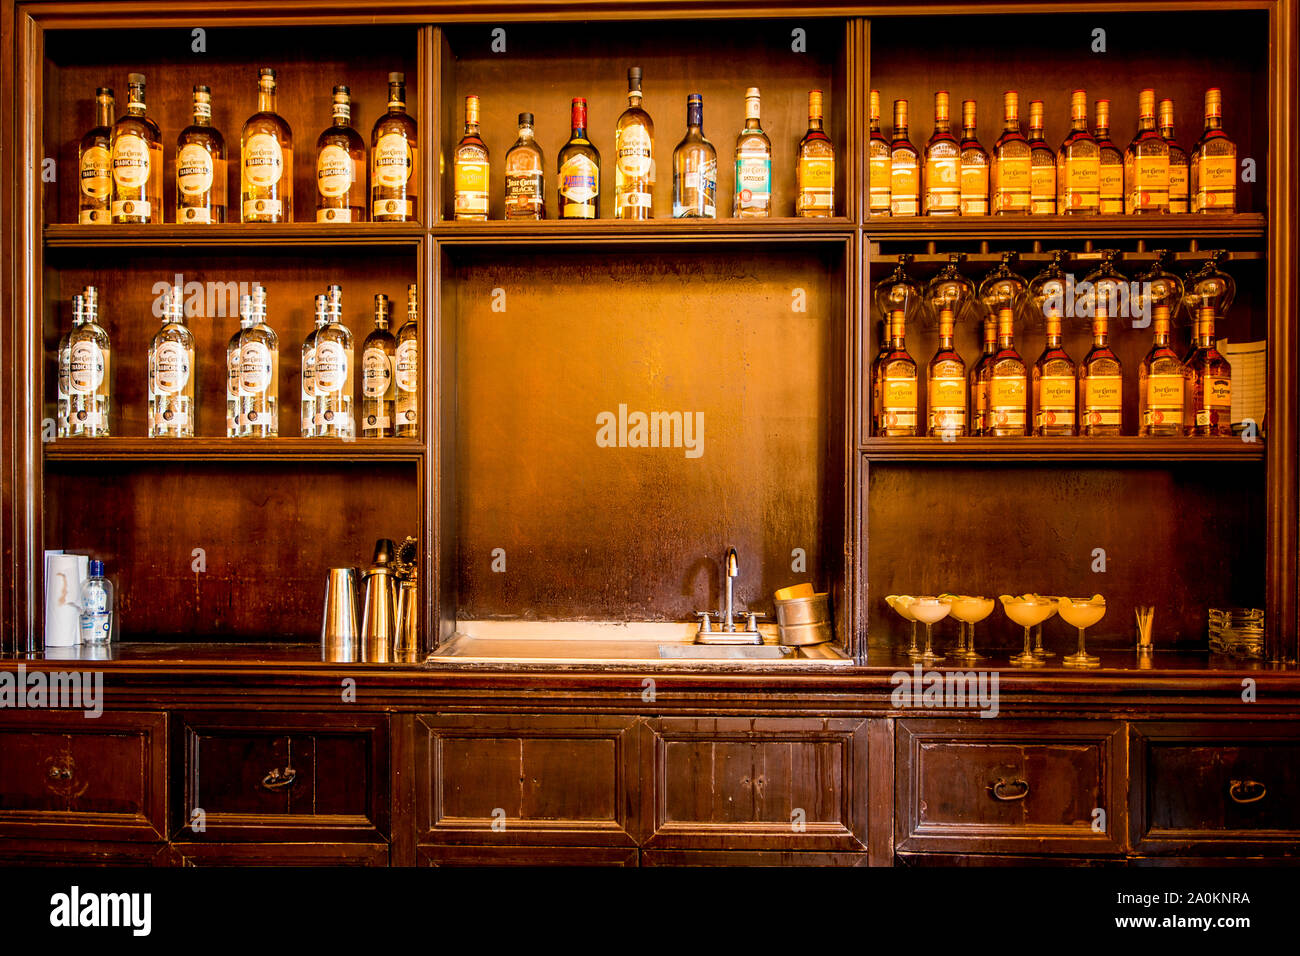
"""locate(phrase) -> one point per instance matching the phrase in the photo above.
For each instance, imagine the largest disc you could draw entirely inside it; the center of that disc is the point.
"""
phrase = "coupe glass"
(970, 611)
(930, 611)
(1038, 630)
(902, 603)
(1027, 611)
(1082, 613)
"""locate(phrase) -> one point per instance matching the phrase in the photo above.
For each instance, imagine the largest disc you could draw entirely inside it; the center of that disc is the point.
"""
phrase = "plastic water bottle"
(96, 606)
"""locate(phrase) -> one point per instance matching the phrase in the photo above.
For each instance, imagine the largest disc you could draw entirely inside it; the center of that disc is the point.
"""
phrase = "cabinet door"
(456, 855)
(994, 786)
(497, 779)
(66, 776)
(257, 776)
(1212, 788)
(279, 854)
(756, 783)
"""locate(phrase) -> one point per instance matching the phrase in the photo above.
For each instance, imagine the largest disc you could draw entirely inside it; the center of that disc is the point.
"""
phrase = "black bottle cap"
(135, 79)
(397, 78)
(525, 119)
(634, 77)
(343, 89)
(385, 552)
(104, 91)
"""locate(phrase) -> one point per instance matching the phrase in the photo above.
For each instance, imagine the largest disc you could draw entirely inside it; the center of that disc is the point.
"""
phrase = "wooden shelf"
(294, 235)
(233, 449)
(1181, 226)
(1128, 448)
(654, 230)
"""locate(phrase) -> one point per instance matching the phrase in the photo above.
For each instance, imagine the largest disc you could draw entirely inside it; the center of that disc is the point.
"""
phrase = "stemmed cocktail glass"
(1082, 613)
(902, 603)
(1027, 610)
(929, 611)
(1039, 652)
(969, 611)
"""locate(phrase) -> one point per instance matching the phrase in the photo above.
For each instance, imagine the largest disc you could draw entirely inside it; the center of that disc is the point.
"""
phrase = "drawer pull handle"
(1014, 790)
(279, 779)
(1246, 791)
(60, 773)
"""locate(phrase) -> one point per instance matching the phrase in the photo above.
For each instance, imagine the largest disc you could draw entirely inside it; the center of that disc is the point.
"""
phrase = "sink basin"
(726, 652)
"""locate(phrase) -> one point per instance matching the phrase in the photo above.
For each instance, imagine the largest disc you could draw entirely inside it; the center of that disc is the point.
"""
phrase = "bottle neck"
(471, 127)
(1205, 329)
(104, 112)
(135, 107)
(815, 123)
(1213, 121)
(634, 99)
(694, 117)
(266, 101)
(1006, 331)
(1100, 330)
(342, 114)
(525, 133)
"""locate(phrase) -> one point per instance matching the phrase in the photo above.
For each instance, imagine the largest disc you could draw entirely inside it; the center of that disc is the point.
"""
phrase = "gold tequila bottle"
(378, 388)
(341, 166)
(137, 161)
(333, 373)
(1005, 378)
(201, 166)
(941, 188)
(1054, 384)
(974, 166)
(266, 159)
(695, 168)
(815, 172)
(579, 169)
(753, 193)
(904, 168)
(172, 373)
(1146, 163)
(525, 191)
(1160, 384)
(95, 164)
(1179, 173)
(90, 367)
(394, 160)
(979, 393)
(62, 424)
(1101, 381)
(1110, 166)
(881, 161)
(246, 320)
(1011, 164)
(470, 168)
(895, 392)
(1042, 165)
(946, 385)
(307, 427)
(259, 374)
(634, 156)
(1078, 167)
(408, 368)
(1214, 163)
(1209, 382)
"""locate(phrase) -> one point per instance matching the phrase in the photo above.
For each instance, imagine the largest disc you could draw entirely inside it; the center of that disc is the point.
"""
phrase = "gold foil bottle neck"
(1167, 114)
(1011, 106)
(1161, 320)
(968, 114)
(875, 107)
(1213, 102)
(471, 110)
(1079, 106)
(941, 107)
(900, 114)
(1147, 104)
(815, 104)
(1103, 114)
(753, 103)
(1036, 114)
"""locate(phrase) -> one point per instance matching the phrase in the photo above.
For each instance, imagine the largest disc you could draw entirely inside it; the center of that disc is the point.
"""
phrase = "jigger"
(339, 635)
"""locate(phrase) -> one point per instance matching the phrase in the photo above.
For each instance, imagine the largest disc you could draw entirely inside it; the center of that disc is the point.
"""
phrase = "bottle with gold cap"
(979, 392)
(946, 385)
(470, 168)
(904, 168)
(815, 173)
(1214, 163)
(1004, 376)
(95, 164)
(1178, 165)
(1042, 165)
(878, 153)
(1110, 179)
(137, 161)
(341, 166)
(408, 368)
(1160, 384)
(941, 186)
(201, 166)
(894, 409)
(1209, 382)
(974, 166)
(1078, 165)
(266, 159)
(1011, 167)
(1054, 383)
(1146, 163)
(394, 159)
(1101, 379)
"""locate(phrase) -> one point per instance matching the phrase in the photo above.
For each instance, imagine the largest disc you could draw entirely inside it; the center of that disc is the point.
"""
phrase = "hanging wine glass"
(1107, 285)
(1002, 287)
(898, 291)
(949, 289)
(1158, 286)
(1209, 286)
(1047, 290)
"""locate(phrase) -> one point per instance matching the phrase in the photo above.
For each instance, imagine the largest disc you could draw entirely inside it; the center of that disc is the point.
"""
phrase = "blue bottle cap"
(96, 569)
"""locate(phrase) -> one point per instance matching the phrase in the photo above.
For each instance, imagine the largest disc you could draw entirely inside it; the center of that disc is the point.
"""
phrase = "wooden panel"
(526, 856)
(769, 783)
(45, 852)
(965, 786)
(235, 764)
(490, 779)
(66, 776)
(1216, 788)
(947, 860)
(280, 854)
(749, 858)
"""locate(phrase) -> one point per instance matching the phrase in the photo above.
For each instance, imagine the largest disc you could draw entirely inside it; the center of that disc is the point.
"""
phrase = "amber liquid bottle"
(979, 394)
(1179, 198)
(1209, 378)
(266, 159)
(1005, 378)
(1101, 381)
(201, 166)
(95, 164)
(470, 165)
(1054, 385)
(974, 166)
(579, 169)
(1214, 163)
(895, 392)
(1110, 166)
(946, 386)
(1078, 166)
(815, 172)
(137, 161)
(941, 189)
(525, 196)
(881, 161)
(341, 166)
(1146, 163)
(904, 168)
(1161, 381)
(1011, 167)
(394, 159)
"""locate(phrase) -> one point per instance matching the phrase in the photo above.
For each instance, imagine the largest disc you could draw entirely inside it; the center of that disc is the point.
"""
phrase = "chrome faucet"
(727, 632)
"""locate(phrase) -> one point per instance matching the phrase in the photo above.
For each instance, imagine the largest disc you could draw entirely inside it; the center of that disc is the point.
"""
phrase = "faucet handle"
(754, 617)
(706, 626)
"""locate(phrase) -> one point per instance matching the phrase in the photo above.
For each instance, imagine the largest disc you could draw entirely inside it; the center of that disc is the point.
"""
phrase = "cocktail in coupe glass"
(970, 611)
(929, 611)
(1082, 613)
(1039, 652)
(1027, 610)
(902, 603)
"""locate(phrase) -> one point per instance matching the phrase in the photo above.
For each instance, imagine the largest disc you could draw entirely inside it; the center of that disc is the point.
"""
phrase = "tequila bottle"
(695, 168)
(815, 172)
(62, 424)
(1146, 163)
(333, 373)
(1101, 380)
(525, 175)
(307, 427)
(979, 393)
(753, 196)
(201, 166)
(1110, 166)
(259, 374)
(90, 367)
(95, 164)
(881, 161)
(904, 168)
(634, 149)
(246, 320)
(974, 166)
(1179, 174)
(470, 168)
(378, 388)
(579, 169)
(408, 368)
(171, 373)
(266, 159)
(394, 160)
(1209, 382)
(1042, 165)
(137, 161)
(1011, 164)
(1214, 163)
(946, 385)
(1160, 384)
(895, 392)
(941, 188)
(341, 166)
(1078, 168)
(1054, 384)
(1004, 375)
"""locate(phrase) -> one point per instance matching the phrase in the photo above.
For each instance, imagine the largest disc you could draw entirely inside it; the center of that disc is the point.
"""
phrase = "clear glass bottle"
(266, 159)
(753, 195)
(1214, 163)
(946, 385)
(881, 161)
(815, 172)
(1110, 166)
(525, 196)
(341, 166)
(941, 186)
(470, 165)
(1209, 382)
(394, 160)
(378, 385)
(895, 392)
(90, 372)
(695, 167)
(1042, 165)
(95, 164)
(979, 392)
(334, 373)
(98, 603)
(63, 408)
(579, 169)
(634, 151)
(974, 166)
(1146, 163)
(904, 168)
(201, 166)
(1006, 412)
(259, 374)
(137, 161)
(246, 320)
(1078, 168)
(307, 420)
(1161, 378)
(408, 368)
(1179, 172)
(172, 373)
(1101, 380)
(1011, 164)
(1054, 384)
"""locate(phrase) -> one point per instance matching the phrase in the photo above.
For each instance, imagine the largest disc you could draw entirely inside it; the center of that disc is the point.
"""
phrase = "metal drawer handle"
(279, 779)
(60, 773)
(1246, 791)
(1001, 788)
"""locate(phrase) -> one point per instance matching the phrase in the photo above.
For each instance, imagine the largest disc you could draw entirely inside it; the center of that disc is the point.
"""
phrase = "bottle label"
(1217, 182)
(974, 189)
(881, 174)
(85, 368)
(401, 208)
(1103, 399)
(254, 368)
(194, 170)
(580, 184)
(1006, 408)
(524, 189)
(471, 183)
(753, 180)
(333, 215)
(817, 183)
(96, 173)
(942, 184)
(94, 217)
(947, 401)
(898, 402)
(171, 368)
(1178, 187)
(130, 161)
(308, 373)
(1042, 190)
(255, 209)
(263, 160)
(334, 175)
(634, 152)
(1110, 187)
(1012, 183)
(1164, 400)
(1150, 186)
(408, 372)
(196, 214)
(1081, 184)
(1217, 401)
(394, 162)
(903, 184)
(331, 372)
(376, 373)
(1056, 400)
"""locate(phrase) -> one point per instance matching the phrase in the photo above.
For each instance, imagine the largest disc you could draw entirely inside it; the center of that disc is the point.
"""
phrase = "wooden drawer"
(768, 783)
(48, 852)
(749, 858)
(993, 786)
(1221, 787)
(66, 776)
(279, 854)
(500, 779)
(268, 777)
(459, 855)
